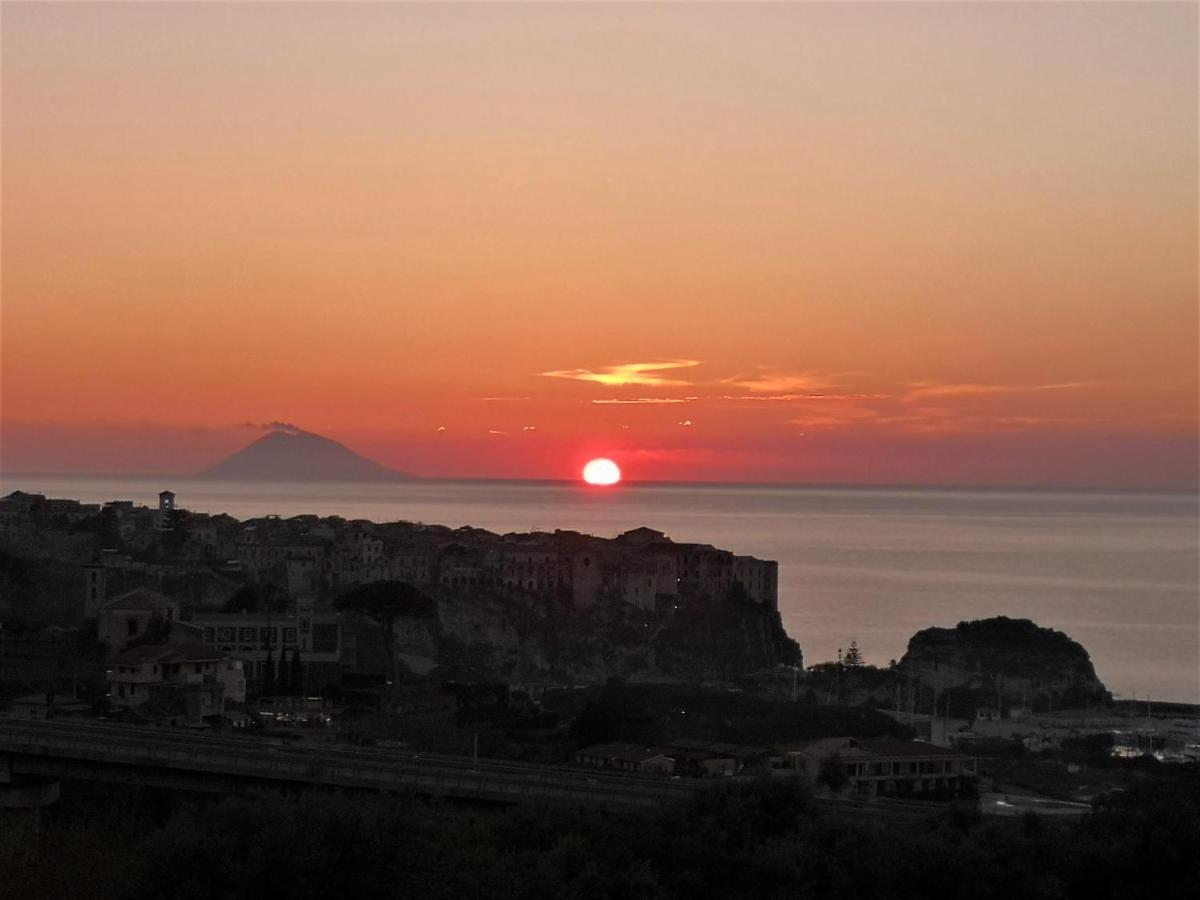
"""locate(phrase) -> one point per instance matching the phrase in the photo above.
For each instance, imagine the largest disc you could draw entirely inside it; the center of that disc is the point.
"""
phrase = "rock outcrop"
(1006, 663)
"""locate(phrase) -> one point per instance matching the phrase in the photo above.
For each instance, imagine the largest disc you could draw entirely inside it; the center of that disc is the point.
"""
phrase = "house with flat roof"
(884, 766)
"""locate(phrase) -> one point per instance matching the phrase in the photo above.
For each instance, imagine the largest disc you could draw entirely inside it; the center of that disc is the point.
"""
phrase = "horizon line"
(654, 483)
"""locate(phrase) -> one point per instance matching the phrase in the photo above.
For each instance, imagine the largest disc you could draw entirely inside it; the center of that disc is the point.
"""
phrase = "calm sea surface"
(1117, 572)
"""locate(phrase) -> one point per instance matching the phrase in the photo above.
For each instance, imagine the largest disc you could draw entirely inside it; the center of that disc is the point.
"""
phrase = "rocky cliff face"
(1013, 659)
(523, 638)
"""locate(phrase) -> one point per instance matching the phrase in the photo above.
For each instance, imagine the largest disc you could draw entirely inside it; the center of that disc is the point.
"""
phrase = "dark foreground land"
(754, 839)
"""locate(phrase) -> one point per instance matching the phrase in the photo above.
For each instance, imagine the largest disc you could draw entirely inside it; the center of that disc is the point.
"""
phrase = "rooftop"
(165, 653)
(141, 598)
(626, 752)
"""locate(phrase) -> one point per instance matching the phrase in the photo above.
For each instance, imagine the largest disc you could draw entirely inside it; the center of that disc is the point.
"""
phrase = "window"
(197, 668)
(247, 636)
(131, 626)
(289, 635)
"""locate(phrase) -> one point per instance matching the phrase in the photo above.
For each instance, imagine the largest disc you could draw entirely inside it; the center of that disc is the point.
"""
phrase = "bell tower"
(166, 507)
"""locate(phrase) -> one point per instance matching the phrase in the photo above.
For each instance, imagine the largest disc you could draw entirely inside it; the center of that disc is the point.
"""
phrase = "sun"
(601, 472)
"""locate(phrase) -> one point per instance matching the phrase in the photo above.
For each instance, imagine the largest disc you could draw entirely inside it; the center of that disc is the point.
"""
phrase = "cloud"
(923, 389)
(791, 398)
(494, 431)
(288, 427)
(636, 400)
(780, 382)
(629, 373)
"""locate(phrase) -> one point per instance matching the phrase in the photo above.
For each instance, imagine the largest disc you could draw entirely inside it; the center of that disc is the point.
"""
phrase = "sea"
(1117, 572)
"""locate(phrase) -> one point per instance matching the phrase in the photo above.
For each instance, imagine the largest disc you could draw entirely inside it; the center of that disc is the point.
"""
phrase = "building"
(166, 511)
(700, 758)
(628, 758)
(95, 589)
(251, 637)
(884, 766)
(182, 683)
(130, 616)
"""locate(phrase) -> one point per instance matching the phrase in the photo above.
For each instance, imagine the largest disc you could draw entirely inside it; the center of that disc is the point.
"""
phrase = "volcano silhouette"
(300, 456)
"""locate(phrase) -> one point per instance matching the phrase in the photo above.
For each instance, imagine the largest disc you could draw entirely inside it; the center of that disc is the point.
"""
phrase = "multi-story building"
(253, 637)
(185, 682)
(416, 566)
(759, 578)
(531, 567)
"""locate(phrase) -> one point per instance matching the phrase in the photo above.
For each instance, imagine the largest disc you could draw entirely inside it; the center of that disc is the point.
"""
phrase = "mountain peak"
(296, 455)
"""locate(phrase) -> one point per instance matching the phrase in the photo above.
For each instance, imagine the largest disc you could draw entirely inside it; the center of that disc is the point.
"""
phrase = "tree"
(832, 773)
(386, 601)
(256, 597)
(296, 673)
(283, 678)
(268, 679)
(853, 658)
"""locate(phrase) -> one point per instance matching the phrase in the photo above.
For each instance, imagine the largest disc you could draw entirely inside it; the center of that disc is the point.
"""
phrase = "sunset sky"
(895, 243)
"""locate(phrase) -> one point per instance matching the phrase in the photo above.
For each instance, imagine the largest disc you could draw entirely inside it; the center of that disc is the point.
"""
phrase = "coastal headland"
(430, 621)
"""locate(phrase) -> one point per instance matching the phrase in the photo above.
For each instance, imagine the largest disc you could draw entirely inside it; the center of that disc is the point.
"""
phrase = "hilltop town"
(269, 593)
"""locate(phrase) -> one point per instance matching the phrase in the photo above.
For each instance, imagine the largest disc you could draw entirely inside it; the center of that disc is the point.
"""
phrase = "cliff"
(522, 638)
(1014, 660)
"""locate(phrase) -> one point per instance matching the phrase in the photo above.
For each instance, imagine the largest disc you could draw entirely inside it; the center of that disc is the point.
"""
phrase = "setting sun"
(601, 472)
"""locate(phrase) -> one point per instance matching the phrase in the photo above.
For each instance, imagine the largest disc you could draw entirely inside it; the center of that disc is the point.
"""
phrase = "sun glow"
(601, 472)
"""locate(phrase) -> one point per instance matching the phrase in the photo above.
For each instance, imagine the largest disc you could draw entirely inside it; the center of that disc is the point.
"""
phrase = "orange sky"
(858, 243)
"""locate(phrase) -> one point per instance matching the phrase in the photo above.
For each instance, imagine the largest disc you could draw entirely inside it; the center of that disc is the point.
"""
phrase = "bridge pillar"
(21, 802)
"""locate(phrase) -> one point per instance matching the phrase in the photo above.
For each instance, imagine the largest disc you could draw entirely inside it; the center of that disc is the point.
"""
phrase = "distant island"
(294, 455)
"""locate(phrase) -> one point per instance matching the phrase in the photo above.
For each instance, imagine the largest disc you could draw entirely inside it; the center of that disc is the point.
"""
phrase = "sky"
(852, 243)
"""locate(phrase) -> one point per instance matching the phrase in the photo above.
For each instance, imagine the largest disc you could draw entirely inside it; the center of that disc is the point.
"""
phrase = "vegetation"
(256, 597)
(833, 773)
(659, 713)
(758, 839)
(386, 601)
(853, 658)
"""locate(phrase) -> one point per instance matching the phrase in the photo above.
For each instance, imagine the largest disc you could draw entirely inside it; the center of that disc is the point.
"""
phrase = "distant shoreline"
(625, 484)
